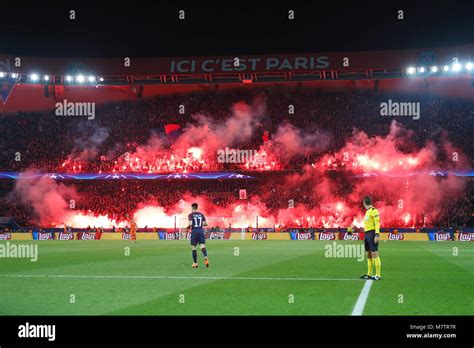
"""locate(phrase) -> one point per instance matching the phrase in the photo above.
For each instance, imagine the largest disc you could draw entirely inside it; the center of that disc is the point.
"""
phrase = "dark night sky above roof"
(211, 28)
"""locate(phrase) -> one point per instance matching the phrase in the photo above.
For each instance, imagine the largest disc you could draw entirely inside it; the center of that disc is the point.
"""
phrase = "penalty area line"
(171, 277)
(364, 295)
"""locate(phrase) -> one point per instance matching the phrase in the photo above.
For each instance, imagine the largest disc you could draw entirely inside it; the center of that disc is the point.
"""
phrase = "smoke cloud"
(48, 200)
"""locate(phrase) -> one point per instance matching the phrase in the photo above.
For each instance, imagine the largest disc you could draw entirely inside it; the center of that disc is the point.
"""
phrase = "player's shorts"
(369, 241)
(198, 237)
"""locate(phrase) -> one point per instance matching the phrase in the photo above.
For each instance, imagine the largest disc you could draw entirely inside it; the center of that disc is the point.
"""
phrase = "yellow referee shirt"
(372, 220)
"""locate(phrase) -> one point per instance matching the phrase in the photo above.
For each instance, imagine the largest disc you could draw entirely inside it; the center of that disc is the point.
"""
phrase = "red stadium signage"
(389, 59)
(327, 236)
(66, 236)
(5, 236)
(466, 237)
(396, 236)
(259, 235)
(351, 236)
(250, 64)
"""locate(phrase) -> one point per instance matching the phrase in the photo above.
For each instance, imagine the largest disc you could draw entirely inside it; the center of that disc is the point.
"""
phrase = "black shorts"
(369, 241)
(198, 237)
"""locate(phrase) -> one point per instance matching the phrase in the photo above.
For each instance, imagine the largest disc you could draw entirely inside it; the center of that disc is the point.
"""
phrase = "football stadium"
(278, 169)
(320, 183)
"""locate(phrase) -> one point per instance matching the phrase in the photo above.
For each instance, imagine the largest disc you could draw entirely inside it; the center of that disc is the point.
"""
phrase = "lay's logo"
(88, 236)
(171, 236)
(45, 235)
(442, 236)
(217, 235)
(396, 236)
(5, 236)
(351, 236)
(66, 236)
(327, 236)
(259, 235)
(466, 237)
(125, 236)
(304, 236)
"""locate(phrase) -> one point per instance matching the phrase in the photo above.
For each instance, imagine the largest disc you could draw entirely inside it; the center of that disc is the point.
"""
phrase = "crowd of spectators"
(49, 143)
(56, 144)
(120, 199)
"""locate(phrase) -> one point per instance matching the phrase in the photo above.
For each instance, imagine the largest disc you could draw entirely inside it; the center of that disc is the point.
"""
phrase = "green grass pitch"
(266, 278)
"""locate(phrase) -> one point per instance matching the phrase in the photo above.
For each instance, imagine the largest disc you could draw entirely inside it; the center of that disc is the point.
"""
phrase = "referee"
(371, 240)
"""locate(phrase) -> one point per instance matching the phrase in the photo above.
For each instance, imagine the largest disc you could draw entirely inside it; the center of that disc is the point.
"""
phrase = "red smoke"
(196, 147)
(325, 193)
(383, 153)
(49, 201)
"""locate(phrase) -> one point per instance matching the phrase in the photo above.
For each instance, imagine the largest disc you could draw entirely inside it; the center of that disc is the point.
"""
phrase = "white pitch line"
(364, 294)
(169, 277)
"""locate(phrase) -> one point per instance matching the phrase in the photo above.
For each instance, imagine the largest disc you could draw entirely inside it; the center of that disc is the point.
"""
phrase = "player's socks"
(370, 266)
(195, 256)
(206, 260)
(378, 265)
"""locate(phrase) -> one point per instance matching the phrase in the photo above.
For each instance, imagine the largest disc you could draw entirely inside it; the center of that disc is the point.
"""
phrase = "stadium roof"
(211, 28)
